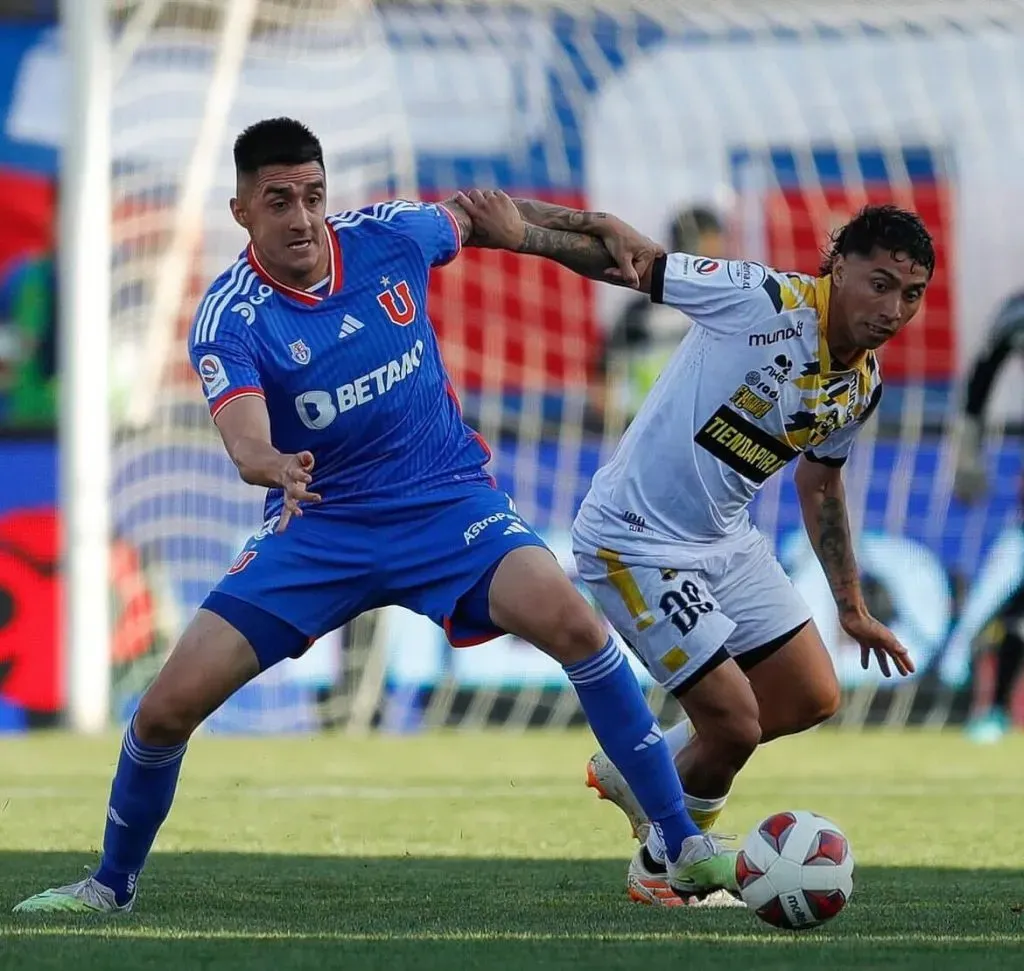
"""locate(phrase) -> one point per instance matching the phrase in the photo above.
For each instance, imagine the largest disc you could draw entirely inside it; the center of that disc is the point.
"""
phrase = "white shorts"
(686, 616)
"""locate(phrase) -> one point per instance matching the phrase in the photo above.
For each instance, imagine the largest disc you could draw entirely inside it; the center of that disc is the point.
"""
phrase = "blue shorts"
(434, 554)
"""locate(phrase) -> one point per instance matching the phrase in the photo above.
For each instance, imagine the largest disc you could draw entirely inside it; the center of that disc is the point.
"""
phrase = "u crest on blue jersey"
(300, 351)
(398, 303)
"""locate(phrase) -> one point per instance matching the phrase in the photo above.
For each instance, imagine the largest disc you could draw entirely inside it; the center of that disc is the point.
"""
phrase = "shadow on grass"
(226, 911)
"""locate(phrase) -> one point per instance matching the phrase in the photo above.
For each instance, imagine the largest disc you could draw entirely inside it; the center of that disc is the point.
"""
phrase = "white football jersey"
(750, 388)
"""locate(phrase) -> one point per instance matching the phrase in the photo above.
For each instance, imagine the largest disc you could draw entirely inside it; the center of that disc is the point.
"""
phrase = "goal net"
(779, 119)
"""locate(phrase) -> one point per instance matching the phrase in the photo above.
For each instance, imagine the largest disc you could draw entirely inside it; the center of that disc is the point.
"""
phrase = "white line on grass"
(766, 938)
(197, 788)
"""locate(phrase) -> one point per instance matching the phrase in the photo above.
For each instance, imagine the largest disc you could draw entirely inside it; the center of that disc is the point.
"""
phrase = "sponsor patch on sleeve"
(214, 377)
(745, 275)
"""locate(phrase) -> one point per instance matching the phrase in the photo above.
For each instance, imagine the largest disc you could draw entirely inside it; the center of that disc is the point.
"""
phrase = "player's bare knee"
(163, 719)
(822, 704)
(576, 632)
(210, 662)
(737, 738)
(726, 716)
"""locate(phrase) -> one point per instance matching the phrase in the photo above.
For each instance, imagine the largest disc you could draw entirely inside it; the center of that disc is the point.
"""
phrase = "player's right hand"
(497, 223)
(632, 251)
(875, 638)
(293, 477)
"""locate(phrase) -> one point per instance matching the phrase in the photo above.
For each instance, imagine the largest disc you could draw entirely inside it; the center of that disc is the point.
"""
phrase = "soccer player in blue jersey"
(325, 381)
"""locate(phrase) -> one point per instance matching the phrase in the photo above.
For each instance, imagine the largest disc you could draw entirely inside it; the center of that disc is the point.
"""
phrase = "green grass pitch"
(450, 851)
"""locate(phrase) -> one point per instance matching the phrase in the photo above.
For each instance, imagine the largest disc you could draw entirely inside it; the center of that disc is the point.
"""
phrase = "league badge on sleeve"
(705, 266)
(214, 377)
(300, 351)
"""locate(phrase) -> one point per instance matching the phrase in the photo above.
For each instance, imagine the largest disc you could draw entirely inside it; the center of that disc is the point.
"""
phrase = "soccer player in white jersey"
(779, 367)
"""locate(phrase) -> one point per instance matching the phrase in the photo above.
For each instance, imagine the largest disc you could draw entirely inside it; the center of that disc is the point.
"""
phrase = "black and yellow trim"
(620, 577)
(743, 446)
(658, 278)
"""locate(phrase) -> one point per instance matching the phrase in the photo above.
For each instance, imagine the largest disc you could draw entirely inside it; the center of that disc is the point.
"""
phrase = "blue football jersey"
(352, 370)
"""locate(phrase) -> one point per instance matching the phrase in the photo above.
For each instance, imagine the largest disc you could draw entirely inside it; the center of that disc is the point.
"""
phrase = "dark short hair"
(888, 228)
(689, 225)
(276, 141)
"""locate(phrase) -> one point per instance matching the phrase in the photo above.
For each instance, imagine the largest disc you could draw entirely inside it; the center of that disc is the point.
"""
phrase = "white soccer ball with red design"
(795, 870)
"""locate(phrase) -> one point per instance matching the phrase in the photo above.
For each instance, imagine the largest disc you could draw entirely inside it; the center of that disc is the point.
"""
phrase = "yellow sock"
(704, 812)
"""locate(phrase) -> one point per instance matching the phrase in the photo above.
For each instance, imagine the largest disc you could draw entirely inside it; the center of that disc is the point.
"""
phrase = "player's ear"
(839, 271)
(239, 214)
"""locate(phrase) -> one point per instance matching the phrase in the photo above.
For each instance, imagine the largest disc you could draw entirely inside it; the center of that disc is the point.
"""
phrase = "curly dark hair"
(886, 227)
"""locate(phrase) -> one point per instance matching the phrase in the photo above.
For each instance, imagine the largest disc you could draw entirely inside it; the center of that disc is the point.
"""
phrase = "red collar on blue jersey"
(335, 276)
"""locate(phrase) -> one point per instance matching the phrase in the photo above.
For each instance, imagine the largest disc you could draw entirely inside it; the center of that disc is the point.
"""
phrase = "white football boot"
(608, 783)
(707, 871)
(647, 882)
(85, 897)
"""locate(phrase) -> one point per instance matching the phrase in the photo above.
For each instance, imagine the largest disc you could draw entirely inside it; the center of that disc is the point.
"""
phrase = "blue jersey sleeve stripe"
(209, 303)
(382, 212)
(241, 289)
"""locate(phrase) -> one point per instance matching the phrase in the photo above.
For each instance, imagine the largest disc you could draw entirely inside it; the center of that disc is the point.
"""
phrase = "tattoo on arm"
(547, 215)
(835, 552)
(585, 255)
(462, 219)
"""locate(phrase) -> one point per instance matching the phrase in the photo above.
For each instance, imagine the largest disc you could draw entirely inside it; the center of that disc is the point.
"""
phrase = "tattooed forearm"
(547, 215)
(582, 254)
(829, 529)
(835, 551)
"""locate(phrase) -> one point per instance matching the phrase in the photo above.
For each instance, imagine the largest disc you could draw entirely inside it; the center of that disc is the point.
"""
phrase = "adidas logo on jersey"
(349, 325)
(513, 525)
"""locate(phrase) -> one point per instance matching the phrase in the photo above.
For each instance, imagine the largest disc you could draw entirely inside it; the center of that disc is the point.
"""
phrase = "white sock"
(678, 736)
(656, 845)
(704, 812)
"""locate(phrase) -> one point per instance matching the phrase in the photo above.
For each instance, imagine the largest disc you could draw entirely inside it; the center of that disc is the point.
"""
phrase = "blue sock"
(140, 798)
(627, 730)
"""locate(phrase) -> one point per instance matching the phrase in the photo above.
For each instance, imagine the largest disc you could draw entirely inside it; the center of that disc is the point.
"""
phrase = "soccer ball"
(795, 870)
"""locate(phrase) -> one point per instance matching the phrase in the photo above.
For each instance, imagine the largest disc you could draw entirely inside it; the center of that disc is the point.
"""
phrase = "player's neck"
(843, 352)
(289, 278)
(840, 349)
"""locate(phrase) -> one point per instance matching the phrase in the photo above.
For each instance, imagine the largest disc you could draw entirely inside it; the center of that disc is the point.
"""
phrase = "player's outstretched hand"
(497, 223)
(632, 251)
(294, 476)
(874, 637)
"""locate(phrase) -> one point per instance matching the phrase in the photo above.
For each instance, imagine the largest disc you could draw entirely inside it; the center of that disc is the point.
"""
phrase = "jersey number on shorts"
(685, 606)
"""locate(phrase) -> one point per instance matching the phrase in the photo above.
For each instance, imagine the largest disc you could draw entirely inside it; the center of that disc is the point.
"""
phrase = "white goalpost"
(641, 107)
(84, 361)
